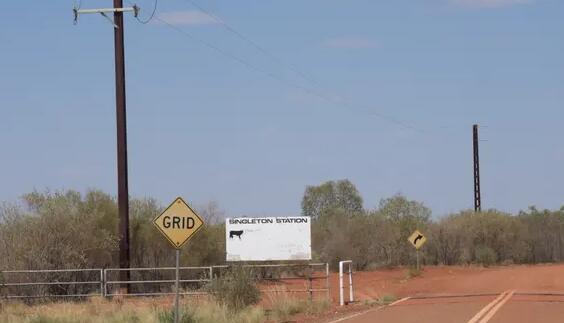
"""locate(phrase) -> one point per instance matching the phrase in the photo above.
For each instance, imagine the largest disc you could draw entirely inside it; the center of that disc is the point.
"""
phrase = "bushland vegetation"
(67, 229)
(377, 237)
(56, 230)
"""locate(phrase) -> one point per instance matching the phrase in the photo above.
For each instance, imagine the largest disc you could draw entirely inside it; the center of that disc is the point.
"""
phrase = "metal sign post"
(178, 223)
(177, 284)
(417, 259)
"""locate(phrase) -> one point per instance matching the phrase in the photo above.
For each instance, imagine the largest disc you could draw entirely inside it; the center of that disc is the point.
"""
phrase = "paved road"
(508, 306)
(531, 308)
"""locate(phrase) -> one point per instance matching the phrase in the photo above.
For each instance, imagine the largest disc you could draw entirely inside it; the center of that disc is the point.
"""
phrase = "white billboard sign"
(264, 239)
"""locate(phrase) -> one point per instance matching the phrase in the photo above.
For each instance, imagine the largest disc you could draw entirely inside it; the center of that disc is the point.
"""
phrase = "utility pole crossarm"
(104, 11)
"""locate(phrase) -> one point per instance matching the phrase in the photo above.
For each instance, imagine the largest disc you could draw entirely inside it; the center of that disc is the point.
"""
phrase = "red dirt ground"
(456, 280)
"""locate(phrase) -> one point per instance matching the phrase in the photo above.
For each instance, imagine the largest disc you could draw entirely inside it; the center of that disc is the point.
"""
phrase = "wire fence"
(309, 279)
(29, 284)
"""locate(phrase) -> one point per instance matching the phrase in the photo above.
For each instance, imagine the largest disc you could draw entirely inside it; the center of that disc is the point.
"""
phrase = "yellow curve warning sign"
(417, 239)
(178, 223)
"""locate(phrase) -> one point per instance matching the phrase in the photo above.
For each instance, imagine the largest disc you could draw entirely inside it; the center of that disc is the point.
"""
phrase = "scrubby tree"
(405, 213)
(404, 216)
(331, 195)
(545, 234)
(211, 213)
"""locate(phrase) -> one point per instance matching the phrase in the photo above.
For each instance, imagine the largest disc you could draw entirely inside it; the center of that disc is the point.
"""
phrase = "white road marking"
(484, 311)
(370, 310)
(496, 308)
(399, 301)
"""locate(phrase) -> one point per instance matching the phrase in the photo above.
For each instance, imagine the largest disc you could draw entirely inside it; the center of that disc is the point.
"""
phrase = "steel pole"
(327, 283)
(177, 292)
(477, 193)
(341, 287)
(121, 123)
(351, 294)
(417, 255)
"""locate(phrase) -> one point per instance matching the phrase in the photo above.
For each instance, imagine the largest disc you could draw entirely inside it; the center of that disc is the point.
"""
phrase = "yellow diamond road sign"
(178, 223)
(417, 239)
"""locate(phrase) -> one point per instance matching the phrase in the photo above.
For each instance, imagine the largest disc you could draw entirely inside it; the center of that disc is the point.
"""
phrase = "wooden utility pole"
(121, 122)
(477, 193)
(121, 127)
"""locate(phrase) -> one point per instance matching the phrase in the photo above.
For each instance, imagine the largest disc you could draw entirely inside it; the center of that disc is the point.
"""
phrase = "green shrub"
(236, 288)
(485, 256)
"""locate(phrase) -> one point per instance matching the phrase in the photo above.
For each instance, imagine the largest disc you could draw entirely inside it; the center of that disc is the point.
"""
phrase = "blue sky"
(206, 127)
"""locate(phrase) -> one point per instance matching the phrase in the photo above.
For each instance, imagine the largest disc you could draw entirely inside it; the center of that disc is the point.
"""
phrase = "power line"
(229, 55)
(291, 67)
(249, 41)
(280, 79)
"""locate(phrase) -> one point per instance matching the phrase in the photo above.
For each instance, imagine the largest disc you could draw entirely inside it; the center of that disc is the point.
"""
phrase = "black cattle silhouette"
(238, 233)
(419, 237)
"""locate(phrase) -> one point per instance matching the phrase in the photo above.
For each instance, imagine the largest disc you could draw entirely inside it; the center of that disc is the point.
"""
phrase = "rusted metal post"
(310, 284)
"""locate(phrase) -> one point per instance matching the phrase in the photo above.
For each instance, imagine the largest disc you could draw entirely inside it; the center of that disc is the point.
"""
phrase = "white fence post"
(102, 284)
(351, 294)
(341, 284)
(105, 282)
(327, 282)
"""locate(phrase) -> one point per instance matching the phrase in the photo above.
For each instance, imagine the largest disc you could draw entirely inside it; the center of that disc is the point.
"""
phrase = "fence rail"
(155, 281)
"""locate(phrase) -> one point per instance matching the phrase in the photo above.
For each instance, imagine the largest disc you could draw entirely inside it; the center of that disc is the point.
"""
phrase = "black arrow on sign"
(419, 237)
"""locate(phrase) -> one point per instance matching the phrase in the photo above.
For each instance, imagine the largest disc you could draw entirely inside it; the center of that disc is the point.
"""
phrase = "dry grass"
(387, 299)
(284, 306)
(98, 310)
(149, 310)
